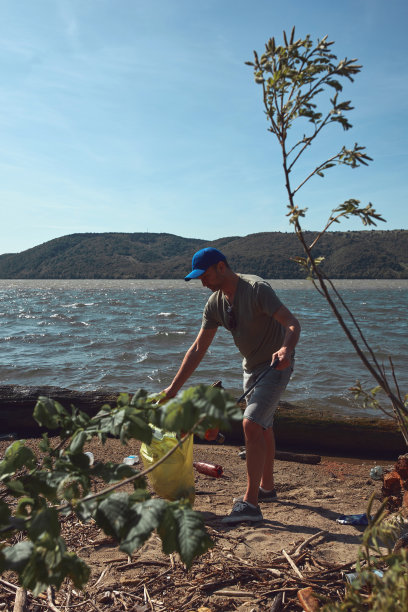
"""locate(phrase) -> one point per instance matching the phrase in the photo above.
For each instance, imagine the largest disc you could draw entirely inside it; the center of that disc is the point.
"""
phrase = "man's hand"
(168, 394)
(292, 332)
(284, 358)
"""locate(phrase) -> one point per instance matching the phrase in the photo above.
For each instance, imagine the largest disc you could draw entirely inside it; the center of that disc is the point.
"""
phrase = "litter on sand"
(352, 519)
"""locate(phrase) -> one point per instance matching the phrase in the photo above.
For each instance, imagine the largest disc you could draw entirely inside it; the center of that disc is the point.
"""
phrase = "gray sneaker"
(263, 496)
(242, 511)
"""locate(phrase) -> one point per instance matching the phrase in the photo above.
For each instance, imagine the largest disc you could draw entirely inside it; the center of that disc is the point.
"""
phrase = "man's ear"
(221, 267)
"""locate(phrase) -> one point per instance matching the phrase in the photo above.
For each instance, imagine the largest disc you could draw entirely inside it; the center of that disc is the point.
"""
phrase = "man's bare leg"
(267, 480)
(256, 453)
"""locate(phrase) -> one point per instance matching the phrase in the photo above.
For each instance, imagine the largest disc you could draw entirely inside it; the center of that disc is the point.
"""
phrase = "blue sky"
(135, 116)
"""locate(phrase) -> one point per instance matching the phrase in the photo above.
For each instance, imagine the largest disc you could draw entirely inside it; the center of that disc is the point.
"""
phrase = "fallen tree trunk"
(297, 429)
(17, 404)
(297, 457)
(300, 430)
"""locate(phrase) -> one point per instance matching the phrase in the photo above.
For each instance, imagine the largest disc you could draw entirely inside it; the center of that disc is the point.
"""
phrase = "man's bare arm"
(292, 333)
(191, 360)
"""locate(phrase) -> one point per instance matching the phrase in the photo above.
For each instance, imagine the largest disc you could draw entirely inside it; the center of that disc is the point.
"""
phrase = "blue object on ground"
(377, 472)
(353, 576)
(352, 519)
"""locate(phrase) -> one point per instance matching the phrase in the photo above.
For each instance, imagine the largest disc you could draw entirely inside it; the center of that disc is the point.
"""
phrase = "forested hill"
(363, 254)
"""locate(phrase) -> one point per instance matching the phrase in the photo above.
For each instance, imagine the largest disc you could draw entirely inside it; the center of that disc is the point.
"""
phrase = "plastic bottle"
(214, 435)
(211, 434)
(210, 469)
(90, 457)
(131, 460)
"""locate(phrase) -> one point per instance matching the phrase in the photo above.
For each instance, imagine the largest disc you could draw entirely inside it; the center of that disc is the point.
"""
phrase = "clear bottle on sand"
(90, 456)
(131, 460)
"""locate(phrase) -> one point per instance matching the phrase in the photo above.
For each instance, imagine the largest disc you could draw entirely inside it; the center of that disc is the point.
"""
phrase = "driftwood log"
(297, 429)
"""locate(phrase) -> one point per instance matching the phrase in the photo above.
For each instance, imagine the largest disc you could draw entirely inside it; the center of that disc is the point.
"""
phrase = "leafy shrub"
(60, 482)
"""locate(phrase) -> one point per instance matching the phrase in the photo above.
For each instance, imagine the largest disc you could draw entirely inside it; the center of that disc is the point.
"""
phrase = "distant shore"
(366, 254)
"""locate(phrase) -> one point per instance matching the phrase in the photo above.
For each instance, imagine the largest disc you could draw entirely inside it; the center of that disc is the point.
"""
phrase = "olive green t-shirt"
(255, 332)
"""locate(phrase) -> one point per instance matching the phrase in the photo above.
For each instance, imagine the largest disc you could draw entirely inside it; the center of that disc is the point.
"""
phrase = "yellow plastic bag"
(174, 478)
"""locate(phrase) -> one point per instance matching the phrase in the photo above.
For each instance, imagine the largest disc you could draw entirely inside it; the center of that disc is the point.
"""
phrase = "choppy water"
(123, 335)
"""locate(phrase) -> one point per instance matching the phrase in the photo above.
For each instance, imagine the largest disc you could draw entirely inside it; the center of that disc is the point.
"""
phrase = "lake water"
(128, 334)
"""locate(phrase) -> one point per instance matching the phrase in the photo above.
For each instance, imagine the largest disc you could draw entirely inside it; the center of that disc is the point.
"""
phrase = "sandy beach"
(246, 560)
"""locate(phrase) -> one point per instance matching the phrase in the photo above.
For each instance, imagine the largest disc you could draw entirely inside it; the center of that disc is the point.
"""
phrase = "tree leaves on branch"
(60, 482)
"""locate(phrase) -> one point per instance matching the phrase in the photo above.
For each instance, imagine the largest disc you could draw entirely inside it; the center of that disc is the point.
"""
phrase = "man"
(264, 330)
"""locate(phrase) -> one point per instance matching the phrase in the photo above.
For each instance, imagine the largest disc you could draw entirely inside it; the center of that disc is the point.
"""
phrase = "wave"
(78, 305)
(170, 333)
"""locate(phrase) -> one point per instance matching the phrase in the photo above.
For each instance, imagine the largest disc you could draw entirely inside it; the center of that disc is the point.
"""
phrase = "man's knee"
(252, 431)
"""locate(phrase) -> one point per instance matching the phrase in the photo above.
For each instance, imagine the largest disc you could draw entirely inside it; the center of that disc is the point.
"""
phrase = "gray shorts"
(263, 400)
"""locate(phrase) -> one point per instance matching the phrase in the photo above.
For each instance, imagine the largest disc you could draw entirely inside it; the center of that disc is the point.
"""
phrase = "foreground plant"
(301, 87)
(381, 580)
(60, 482)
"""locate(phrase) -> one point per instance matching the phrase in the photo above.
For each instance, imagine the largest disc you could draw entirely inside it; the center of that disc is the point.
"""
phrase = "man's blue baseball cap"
(204, 259)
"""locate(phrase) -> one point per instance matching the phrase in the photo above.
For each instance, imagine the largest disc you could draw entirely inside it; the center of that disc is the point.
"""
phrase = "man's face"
(212, 278)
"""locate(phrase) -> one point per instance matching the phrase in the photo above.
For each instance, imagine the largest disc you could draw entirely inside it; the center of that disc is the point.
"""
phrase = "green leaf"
(146, 517)
(44, 483)
(16, 457)
(17, 556)
(49, 413)
(4, 514)
(75, 568)
(44, 520)
(179, 415)
(78, 442)
(78, 461)
(167, 531)
(45, 445)
(25, 506)
(72, 486)
(85, 510)
(208, 406)
(182, 530)
(113, 472)
(136, 427)
(49, 564)
(113, 514)
(17, 487)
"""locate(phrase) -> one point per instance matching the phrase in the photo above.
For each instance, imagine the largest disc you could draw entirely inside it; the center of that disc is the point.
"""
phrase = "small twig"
(126, 566)
(50, 600)
(92, 604)
(137, 597)
(292, 564)
(20, 600)
(68, 601)
(337, 568)
(146, 597)
(283, 590)
(101, 576)
(157, 576)
(233, 593)
(395, 380)
(8, 584)
(313, 537)
(80, 604)
(276, 603)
